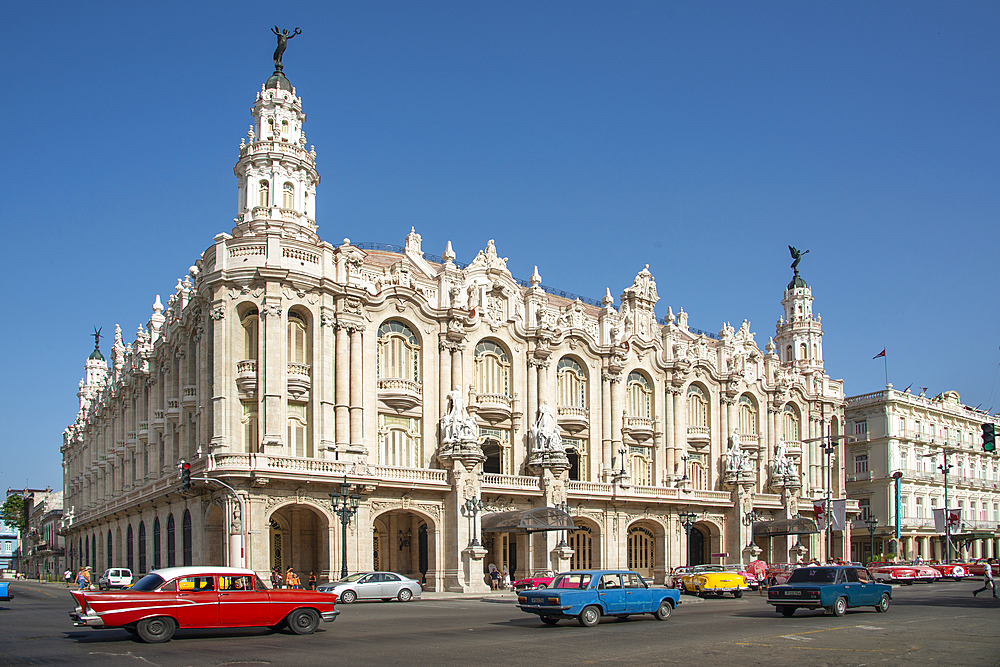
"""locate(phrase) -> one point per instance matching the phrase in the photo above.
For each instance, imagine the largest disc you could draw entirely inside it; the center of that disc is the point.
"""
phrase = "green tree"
(13, 512)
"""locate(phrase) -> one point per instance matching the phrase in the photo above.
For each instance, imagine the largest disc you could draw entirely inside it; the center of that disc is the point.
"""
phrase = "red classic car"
(529, 583)
(978, 569)
(201, 597)
(892, 573)
(956, 571)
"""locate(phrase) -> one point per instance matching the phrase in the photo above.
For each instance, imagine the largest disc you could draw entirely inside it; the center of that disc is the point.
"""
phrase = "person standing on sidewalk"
(987, 579)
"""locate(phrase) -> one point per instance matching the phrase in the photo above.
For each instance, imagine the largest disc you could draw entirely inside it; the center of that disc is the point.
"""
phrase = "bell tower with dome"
(276, 174)
(798, 335)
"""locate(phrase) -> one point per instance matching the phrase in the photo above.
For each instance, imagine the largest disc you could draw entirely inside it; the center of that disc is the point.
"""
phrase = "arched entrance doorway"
(215, 535)
(582, 542)
(298, 538)
(402, 542)
(696, 546)
(641, 550)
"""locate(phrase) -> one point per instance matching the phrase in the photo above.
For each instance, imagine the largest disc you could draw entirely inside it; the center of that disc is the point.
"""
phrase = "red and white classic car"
(201, 597)
(531, 583)
(956, 571)
(978, 568)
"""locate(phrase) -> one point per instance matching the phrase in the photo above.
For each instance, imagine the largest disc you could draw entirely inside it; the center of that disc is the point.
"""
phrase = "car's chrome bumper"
(540, 608)
(90, 619)
(329, 616)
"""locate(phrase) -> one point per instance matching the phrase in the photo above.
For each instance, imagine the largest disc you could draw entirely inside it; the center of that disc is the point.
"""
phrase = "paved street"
(927, 624)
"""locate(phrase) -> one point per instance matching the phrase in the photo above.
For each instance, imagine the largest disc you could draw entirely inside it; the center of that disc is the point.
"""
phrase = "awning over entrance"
(530, 521)
(800, 526)
(979, 535)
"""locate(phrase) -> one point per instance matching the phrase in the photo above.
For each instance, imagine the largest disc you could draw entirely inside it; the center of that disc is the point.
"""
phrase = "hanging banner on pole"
(838, 511)
(819, 511)
(954, 518)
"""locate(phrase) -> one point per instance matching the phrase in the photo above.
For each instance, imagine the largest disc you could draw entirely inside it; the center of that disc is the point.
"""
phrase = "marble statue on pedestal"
(545, 431)
(456, 425)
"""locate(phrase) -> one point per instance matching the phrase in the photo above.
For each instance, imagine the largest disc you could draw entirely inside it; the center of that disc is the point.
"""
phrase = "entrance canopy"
(531, 521)
(800, 526)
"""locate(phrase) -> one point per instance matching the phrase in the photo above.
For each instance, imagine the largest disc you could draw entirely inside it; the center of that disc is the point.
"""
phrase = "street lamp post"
(687, 520)
(872, 522)
(563, 534)
(345, 505)
(473, 506)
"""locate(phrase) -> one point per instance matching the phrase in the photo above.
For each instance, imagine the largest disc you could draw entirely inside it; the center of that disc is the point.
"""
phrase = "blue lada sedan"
(587, 595)
(834, 589)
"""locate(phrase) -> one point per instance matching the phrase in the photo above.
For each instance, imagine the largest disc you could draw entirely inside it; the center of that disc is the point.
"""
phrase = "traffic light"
(185, 476)
(989, 438)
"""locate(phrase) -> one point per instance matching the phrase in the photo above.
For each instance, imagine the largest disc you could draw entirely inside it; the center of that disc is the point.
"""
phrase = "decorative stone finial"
(157, 306)
(608, 300)
(449, 254)
(535, 280)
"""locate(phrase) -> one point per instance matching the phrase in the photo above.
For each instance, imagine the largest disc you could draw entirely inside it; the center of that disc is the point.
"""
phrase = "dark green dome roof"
(797, 282)
(279, 81)
(96, 355)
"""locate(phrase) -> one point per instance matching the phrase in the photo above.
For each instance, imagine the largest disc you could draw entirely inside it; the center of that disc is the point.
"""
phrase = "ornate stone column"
(357, 390)
(680, 426)
(324, 364)
(342, 370)
(607, 383)
(272, 419)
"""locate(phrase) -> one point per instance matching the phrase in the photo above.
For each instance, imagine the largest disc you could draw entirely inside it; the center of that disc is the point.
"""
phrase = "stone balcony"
(492, 407)
(639, 428)
(699, 434)
(174, 410)
(299, 380)
(246, 376)
(130, 440)
(189, 397)
(573, 418)
(400, 394)
(142, 433)
(158, 421)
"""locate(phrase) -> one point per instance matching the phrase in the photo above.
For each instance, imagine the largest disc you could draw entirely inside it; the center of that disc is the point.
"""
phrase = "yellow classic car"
(705, 580)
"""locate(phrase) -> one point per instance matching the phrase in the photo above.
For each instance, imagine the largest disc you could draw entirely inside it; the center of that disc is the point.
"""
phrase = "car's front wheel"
(883, 604)
(542, 587)
(590, 616)
(156, 630)
(405, 595)
(662, 612)
(303, 621)
(347, 597)
(840, 607)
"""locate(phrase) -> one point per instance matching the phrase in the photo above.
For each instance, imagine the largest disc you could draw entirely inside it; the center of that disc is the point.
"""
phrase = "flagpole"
(885, 365)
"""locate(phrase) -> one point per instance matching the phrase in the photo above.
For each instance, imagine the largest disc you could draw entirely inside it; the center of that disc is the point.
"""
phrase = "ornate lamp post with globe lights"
(687, 520)
(345, 505)
(872, 522)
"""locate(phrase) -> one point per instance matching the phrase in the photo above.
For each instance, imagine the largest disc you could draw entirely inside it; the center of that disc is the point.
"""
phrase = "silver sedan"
(383, 586)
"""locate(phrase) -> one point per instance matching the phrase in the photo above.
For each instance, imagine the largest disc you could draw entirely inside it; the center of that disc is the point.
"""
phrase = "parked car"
(116, 577)
(978, 569)
(529, 583)
(586, 595)
(956, 571)
(905, 573)
(779, 572)
(5, 594)
(832, 588)
(201, 597)
(383, 586)
(705, 580)
(676, 577)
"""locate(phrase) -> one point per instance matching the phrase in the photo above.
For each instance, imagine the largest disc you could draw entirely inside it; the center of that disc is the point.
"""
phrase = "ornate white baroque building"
(899, 433)
(284, 365)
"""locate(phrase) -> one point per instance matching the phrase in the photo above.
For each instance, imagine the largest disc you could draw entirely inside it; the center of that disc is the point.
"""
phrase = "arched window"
(398, 356)
(186, 537)
(171, 542)
(747, 416)
(263, 194)
(93, 551)
(298, 429)
(298, 339)
(129, 549)
(698, 475)
(697, 407)
(492, 369)
(790, 423)
(641, 465)
(582, 544)
(288, 196)
(400, 441)
(803, 351)
(156, 544)
(86, 551)
(249, 422)
(572, 384)
(111, 559)
(284, 130)
(640, 396)
(641, 550)
(496, 447)
(250, 323)
(142, 547)
(788, 354)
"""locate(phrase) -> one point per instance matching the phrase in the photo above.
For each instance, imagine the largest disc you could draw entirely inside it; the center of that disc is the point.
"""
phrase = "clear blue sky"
(589, 138)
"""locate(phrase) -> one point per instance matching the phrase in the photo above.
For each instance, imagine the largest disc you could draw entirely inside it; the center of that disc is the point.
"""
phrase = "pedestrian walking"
(312, 580)
(494, 577)
(506, 578)
(987, 579)
(68, 577)
(288, 578)
(275, 577)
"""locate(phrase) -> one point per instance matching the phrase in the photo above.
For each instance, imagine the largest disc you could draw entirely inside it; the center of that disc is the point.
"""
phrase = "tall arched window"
(697, 471)
(747, 416)
(400, 441)
(398, 354)
(93, 551)
(249, 423)
(641, 550)
(641, 465)
(803, 351)
(288, 196)
(790, 423)
(697, 407)
(789, 356)
(572, 384)
(640, 396)
(171, 542)
(142, 547)
(298, 429)
(186, 537)
(111, 558)
(157, 551)
(263, 194)
(86, 551)
(582, 544)
(129, 549)
(298, 339)
(250, 323)
(492, 369)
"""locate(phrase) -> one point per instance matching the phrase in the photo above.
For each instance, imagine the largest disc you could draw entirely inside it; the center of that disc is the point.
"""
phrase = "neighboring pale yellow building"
(284, 366)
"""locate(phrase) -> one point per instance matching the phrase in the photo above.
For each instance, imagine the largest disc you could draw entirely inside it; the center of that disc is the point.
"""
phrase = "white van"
(116, 577)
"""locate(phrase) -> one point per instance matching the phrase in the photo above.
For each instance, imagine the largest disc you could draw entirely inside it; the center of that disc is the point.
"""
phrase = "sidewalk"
(509, 597)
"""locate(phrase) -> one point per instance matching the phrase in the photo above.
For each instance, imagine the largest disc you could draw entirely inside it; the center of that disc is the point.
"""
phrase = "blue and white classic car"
(586, 595)
(834, 589)
(5, 591)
